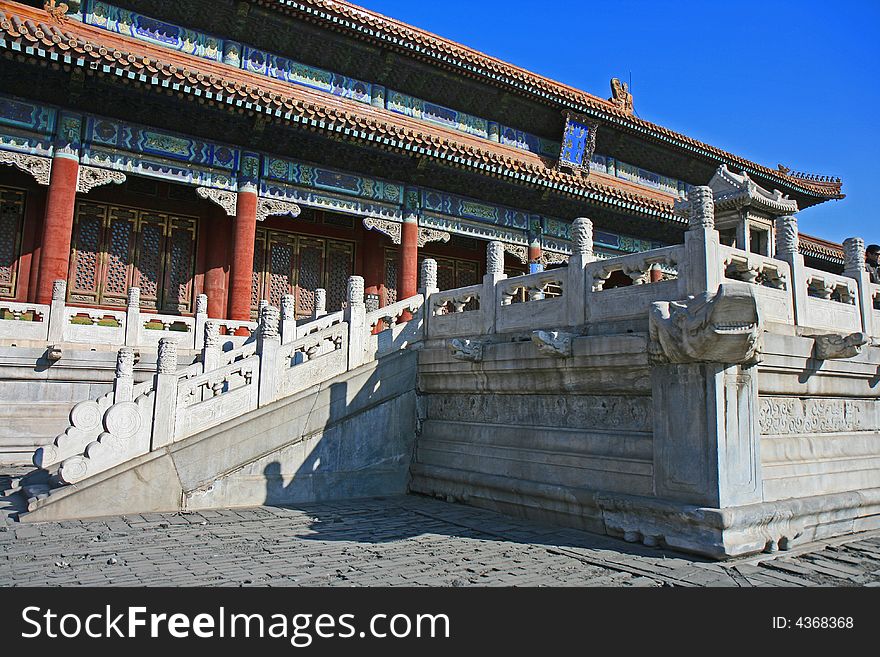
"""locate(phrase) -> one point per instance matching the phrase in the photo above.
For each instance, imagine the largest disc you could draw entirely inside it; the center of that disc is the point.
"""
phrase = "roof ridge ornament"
(621, 96)
(57, 11)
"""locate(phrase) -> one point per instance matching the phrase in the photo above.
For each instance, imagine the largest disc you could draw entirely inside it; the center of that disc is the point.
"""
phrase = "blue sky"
(776, 82)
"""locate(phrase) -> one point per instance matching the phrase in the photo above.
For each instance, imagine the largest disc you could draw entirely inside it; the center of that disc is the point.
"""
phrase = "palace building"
(286, 251)
(252, 149)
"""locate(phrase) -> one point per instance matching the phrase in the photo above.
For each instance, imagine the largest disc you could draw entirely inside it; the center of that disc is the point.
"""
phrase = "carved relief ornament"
(90, 177)
(224, 198)
(38, 167)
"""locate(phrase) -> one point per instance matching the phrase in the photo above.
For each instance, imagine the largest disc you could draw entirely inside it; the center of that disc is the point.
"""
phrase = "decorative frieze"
(564, 411)
(226, 199)
(551, 258)
(38, 167)
(90, 177)
(787, 415)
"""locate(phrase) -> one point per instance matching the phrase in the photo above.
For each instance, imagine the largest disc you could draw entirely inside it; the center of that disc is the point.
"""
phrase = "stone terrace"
(397, 541)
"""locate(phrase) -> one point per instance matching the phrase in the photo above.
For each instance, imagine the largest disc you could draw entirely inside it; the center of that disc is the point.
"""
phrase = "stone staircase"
(190, 436)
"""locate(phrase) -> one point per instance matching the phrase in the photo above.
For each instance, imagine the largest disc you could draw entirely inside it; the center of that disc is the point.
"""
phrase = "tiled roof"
(339, 15)
(822, 249)
(31, 32)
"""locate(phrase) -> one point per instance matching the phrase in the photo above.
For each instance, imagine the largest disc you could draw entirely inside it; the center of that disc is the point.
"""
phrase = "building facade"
(249, 150)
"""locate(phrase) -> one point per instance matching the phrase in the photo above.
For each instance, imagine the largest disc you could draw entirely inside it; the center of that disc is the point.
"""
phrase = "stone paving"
(398, 541)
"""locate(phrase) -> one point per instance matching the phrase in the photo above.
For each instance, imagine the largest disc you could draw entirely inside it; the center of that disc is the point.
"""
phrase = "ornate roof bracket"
(90, 177)
(518, 251)
(390, 228)
(39, 167)
(224, 198)
(430, 235)
(551, 258)
(270, 207)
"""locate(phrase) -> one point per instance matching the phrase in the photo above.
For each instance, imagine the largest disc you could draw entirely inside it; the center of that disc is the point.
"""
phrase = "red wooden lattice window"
(287, 263)
(11, 220)
(116, 247)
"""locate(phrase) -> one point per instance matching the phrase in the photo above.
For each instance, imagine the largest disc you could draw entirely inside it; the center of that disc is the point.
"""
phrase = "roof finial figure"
(621, 96)
(57, 11)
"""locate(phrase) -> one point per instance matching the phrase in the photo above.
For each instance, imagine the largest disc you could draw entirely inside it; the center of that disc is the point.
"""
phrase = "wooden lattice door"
(115, 248)
(11, 223)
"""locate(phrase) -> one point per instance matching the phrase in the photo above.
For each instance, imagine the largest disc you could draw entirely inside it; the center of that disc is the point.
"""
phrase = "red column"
(57, 225)
(535, 256)
(408, 269)
(374, 265)
(241, 274)
(216, 262)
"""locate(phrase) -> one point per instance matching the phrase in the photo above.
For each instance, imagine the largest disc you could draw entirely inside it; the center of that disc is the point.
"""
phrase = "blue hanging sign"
(578, 143)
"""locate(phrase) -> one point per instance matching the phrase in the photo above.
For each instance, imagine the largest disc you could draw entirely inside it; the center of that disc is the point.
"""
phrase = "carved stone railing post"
(133, 317)
(787, 249)
(356, 316)
(165, 410)
(854, 267)
(702, 271)
(123, 383)
(489, 299)
(320, 303)
(288, 318)
(211, 346)
(56, 311)
(201, 318)
(576, 286)
(427, 287)
(268, 343)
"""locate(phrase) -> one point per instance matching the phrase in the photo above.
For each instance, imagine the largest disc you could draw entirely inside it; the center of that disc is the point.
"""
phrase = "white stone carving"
(202, 304)
(463, 349)
(518, 251)
(125, 363)
(288, 307)
(59, 290)
(789, 415)
(269, 317)
(429, 274)
(355, 290)
(832, 346)
(390, 228)
(270, 207)
(320, 300)
(725, 327)
(226, 199)
(212, 335)
(553, 343)
(167, 360)
(582, 236)
(495, 257)
(702, 207)
(134, 297)
(90, 177)
(854, 255)
(552, 258)
(430, 235)
(574, 411)
(786, 236)
(39, 167)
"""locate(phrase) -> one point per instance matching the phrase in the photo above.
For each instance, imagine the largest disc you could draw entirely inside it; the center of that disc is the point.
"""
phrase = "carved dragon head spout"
(725, 327)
